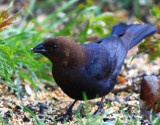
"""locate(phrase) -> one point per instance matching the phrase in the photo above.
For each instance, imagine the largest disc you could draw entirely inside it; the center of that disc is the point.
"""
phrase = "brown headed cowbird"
(91, 68)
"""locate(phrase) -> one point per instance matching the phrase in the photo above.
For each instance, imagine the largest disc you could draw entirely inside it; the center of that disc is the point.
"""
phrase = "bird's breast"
(74, 82)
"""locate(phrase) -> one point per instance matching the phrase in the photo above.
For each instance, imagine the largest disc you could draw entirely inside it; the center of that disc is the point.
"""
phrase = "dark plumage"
(91, 68)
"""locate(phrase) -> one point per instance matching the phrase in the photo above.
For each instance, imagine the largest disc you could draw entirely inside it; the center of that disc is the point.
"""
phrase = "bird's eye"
(54, 45)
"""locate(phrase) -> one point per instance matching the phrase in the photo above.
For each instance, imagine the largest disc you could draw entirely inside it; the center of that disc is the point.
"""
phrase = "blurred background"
(136, 8)
(77, 16)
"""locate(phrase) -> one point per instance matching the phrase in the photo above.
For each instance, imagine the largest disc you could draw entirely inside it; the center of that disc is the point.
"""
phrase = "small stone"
(25, 119)
(28, 89)
(41, 116)
(108, 119)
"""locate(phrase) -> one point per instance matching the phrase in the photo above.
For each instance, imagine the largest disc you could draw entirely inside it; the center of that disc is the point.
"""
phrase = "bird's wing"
(105, 57)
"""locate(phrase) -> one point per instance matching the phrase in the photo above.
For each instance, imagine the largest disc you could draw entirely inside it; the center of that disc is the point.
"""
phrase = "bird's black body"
(92, 68)
(97, 76)
(102, 62)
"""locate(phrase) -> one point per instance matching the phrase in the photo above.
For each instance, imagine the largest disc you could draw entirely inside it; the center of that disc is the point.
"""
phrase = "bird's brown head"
(57, 48)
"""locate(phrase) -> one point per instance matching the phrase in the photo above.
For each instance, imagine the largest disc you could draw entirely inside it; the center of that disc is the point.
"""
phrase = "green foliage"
(152, 43)
(6, 19)
(155, 121)
(6, 63)
(95, 23)
(133, 5)
(155, 12)
(3, 121)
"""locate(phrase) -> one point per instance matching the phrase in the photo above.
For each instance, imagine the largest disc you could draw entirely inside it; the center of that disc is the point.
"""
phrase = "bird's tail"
(134, 33)
(119, 29)
(139, 32)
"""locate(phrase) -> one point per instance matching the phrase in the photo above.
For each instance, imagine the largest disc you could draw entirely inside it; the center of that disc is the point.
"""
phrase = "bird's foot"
(100, 108)
(65, 117)
(98, 111)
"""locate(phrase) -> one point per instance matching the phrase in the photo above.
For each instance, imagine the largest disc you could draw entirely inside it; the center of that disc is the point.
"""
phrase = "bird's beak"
(39, 49)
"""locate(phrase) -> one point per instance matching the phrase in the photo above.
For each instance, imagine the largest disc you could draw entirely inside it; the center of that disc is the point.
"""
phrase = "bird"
(91, 69)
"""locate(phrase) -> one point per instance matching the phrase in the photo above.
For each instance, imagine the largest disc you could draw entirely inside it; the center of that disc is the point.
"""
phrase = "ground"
(51, 101)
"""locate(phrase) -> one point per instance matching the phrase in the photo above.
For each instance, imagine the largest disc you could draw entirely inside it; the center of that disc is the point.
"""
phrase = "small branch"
(126, 89)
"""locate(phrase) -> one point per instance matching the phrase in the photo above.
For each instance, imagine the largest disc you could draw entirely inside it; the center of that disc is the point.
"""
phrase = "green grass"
(3, 121)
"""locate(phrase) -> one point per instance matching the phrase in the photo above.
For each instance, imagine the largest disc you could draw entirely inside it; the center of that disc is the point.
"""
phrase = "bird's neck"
(73, 57)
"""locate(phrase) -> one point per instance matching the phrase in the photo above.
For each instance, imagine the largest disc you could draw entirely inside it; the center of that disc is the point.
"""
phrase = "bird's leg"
(68, 113)
(100, 108)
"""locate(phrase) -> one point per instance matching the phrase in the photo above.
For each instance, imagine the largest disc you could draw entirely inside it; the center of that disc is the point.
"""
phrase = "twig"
(126, 89)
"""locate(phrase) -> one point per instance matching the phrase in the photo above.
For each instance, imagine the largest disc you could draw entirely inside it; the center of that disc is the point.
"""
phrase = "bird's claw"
(97, 112)
(64, 117)
(100, 109)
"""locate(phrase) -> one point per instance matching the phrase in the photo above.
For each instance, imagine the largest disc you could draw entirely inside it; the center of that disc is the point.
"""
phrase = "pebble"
(41, 116)
(25, 119)
(108, 119)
